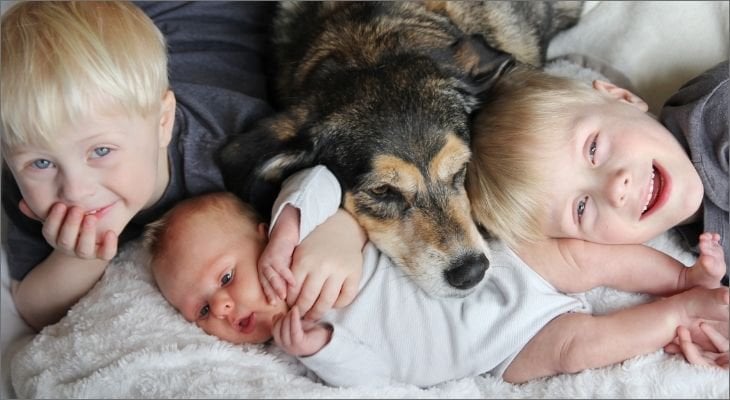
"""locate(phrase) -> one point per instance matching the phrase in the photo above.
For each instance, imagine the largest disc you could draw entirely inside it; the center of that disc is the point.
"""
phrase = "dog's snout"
(467, 271)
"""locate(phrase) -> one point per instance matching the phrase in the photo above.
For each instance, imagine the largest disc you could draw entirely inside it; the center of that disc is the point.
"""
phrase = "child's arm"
(573, 342)
(326, 265)
(77, 262)
(48, 291)
(573, 265)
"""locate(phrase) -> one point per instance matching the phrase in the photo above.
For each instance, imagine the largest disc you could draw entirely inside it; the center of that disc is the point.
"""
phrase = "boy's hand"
(297, 337)
(70, 231)
(718, 356)
(327, 266)
(275, 260)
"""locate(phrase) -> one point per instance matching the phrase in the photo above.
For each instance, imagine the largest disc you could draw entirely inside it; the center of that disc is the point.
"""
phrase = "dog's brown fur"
(381, 94)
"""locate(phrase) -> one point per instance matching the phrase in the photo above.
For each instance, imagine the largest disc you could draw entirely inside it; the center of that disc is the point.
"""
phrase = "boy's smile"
(625, 178)
(109, 165)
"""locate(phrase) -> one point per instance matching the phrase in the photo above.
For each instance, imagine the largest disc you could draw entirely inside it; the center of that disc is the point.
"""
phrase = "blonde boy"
(560, 166)
(97, 142)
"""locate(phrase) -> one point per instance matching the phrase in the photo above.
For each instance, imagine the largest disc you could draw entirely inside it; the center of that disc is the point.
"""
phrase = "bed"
(123, 340)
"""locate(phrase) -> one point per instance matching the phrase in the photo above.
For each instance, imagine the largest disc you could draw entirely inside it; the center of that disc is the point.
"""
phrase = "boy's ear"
(167, 117)
(620, 94)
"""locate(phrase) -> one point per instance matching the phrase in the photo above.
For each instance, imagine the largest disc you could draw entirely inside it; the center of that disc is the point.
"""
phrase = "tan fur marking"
(396, 172)
(450, 159)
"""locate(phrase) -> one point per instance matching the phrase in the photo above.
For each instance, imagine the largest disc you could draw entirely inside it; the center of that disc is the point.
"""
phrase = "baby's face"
(622, 179)
(210, 276)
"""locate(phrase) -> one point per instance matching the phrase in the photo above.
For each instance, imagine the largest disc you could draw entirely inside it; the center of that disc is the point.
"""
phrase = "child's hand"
(327, 266)
(718, 356)
(297, 337)
(275, 260)
(710, 266)
(71, 232)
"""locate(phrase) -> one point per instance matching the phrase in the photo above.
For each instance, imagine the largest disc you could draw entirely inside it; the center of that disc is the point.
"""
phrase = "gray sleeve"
(213, 43)
(698, 117)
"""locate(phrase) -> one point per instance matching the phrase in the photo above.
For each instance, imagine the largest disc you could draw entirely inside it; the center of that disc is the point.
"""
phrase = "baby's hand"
(694, 354)
(297, 337)
(710, 266)
(275, 260)
(327, 266)
(71, 232)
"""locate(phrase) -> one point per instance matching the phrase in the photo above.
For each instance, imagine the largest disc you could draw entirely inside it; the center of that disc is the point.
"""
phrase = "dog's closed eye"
(386, 193)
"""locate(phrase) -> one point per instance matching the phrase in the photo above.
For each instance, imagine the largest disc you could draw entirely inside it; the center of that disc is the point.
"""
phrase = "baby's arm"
(573, 265)
(573, 342)
(338, 358)
(297, 337)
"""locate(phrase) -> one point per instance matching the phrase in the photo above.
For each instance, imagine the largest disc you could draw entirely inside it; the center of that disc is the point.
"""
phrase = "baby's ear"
(620, 94)
(263, 229)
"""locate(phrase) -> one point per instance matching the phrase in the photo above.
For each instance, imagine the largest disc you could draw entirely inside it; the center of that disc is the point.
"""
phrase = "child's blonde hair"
(60, 60)
(525, 120)
(162, 232)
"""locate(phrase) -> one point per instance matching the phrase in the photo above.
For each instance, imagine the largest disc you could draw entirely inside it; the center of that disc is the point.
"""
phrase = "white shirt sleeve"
(315, 192)
(346, 361)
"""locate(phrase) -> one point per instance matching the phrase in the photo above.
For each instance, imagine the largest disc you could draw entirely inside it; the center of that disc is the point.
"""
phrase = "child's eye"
(204, 311)
(42, 164)
(592, 152)
(101, 152)
(581, 208)
(226, 278)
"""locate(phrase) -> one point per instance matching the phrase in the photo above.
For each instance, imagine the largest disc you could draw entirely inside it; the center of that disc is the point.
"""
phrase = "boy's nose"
(77, 187)
(618, 187)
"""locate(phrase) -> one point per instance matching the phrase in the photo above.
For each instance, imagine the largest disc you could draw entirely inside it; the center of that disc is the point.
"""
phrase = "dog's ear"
(480, 63)
(254, 163)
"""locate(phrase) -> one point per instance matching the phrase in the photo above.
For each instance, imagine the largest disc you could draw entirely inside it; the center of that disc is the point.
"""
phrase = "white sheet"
(124, 340)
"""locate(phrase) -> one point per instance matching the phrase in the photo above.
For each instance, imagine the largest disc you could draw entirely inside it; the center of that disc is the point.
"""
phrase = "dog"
(381, 93)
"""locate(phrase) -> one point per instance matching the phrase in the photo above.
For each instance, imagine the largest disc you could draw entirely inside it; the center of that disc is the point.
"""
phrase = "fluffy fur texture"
(123, 340)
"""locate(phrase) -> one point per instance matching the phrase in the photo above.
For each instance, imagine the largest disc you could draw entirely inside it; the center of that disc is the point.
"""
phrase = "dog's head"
(397, 139)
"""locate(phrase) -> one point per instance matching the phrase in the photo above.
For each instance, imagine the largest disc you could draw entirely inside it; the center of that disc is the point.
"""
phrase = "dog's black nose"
(467, 271)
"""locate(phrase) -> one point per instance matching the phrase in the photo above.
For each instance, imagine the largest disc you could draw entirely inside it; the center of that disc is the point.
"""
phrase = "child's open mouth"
(657, 186)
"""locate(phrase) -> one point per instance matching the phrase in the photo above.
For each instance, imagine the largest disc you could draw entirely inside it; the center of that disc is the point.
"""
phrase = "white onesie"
(394, 332)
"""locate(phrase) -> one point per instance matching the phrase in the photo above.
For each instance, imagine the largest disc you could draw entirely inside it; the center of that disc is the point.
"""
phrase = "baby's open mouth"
(247, 324)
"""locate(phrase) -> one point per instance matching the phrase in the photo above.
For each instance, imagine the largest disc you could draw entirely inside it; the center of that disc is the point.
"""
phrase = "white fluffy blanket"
(124, 341)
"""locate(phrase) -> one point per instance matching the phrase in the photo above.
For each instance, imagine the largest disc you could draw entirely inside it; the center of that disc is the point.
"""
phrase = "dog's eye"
(380, 191)
(386, 193)
(458, 181)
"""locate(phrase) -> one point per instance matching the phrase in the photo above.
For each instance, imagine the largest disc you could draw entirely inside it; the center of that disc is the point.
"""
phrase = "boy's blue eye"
(101, 151)
(592, 151)
(581, 208)
(204, 311)
(226, 278)
(42, 164)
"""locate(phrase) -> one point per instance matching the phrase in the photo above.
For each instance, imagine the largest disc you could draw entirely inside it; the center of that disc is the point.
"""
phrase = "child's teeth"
(651, 191)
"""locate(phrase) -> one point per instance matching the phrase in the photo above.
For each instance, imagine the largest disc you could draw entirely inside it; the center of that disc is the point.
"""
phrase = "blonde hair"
(161, 233)
(525, 121)
(60, 60)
